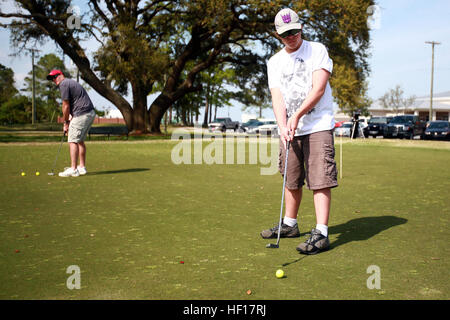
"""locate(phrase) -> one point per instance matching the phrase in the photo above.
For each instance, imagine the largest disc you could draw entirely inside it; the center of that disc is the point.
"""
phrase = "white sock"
(323, 229)
(290, 221)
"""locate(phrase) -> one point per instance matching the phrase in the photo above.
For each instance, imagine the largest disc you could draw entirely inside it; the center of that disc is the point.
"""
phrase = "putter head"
(272, 246)
(51, 174)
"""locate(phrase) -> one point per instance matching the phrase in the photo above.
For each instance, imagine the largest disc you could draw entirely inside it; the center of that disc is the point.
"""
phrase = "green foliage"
(16, 110)
(13, 108)
(99, 113)
(128, 56)
(46, 91)
(348, 92)
(254, 93)
(7, 89)
(216, 93)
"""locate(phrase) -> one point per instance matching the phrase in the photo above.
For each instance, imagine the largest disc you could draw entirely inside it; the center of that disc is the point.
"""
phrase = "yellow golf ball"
(23, 173)
(37, 173)
(279, 273)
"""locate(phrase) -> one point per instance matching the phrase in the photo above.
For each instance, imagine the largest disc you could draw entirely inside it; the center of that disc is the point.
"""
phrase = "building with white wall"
(420, 107)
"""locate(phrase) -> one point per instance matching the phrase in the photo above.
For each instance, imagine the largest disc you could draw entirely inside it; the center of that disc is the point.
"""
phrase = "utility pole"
(33, 100)
(433, 43)
(33, 86)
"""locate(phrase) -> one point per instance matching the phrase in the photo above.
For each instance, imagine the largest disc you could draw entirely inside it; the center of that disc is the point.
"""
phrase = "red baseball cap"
(53, 74)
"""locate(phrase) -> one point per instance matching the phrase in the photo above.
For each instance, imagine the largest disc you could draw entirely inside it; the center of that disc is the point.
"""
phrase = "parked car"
(344, 130)
(338, 124)
(363, 122)
(437, 130)
(376, 126)
(268, 128)
(406, 126)
(223, 124)
(250, 125)
(262, 123)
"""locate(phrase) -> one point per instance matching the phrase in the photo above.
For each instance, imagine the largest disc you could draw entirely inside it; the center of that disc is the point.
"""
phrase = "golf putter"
(59, 149)
(277, 245)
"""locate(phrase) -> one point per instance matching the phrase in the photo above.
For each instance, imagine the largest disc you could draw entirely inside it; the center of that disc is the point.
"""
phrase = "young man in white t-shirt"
(303, 106)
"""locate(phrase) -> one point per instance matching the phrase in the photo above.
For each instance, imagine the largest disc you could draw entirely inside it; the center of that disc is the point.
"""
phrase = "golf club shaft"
(59, 149)
(282, 194)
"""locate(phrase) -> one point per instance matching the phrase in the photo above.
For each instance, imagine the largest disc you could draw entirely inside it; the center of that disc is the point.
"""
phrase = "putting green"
(140, 227)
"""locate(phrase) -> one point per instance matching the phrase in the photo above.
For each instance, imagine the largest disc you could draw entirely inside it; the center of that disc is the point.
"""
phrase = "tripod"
(360, 130)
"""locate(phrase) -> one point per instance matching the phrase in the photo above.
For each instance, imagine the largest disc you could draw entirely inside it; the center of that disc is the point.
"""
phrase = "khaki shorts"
(311, 157)
(79, 127)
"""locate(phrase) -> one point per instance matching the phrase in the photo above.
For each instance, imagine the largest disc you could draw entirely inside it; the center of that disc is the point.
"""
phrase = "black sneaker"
(316, 243)
(286, 232)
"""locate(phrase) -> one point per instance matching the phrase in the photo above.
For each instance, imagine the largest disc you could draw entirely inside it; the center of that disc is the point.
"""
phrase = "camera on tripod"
(356, 115)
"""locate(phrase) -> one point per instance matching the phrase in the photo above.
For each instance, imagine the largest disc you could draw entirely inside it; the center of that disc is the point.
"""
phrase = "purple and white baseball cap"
(286, 19)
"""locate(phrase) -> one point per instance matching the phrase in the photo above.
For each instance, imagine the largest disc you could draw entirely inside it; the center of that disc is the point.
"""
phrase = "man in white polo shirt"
(303, 106)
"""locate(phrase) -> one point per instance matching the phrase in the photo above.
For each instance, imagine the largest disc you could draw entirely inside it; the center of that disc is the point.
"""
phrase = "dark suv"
(406, 126)
(376, 126)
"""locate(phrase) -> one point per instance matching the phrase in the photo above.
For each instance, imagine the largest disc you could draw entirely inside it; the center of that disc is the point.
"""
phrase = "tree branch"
(102, 15)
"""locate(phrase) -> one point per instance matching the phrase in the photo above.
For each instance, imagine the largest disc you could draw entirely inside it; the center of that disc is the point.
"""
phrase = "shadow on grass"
(294, 261)
(361, 229)
(118, 171)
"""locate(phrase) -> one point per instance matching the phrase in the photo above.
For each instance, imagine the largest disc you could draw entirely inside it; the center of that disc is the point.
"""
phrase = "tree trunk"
(205, 118)
(157, 110)
(183, 117)
(210, 113)
(139, 110)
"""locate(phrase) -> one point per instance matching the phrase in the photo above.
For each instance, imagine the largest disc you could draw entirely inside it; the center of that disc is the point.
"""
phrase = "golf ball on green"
(23, 173)
(37, 173)
(279, 273)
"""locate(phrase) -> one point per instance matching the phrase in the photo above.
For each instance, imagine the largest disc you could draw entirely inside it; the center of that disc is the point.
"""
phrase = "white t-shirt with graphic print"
(292, 74)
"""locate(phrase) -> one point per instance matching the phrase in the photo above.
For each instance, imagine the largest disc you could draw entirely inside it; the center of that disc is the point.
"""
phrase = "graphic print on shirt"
(297, 80)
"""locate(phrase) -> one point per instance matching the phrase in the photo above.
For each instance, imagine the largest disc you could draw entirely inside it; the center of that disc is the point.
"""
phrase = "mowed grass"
(140, 227)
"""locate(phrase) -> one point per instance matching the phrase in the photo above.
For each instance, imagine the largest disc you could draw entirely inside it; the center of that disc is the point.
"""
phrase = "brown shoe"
(286, 232)
(316, 243)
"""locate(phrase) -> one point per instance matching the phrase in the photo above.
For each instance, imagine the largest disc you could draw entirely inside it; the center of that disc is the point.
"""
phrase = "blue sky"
(399, 54)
